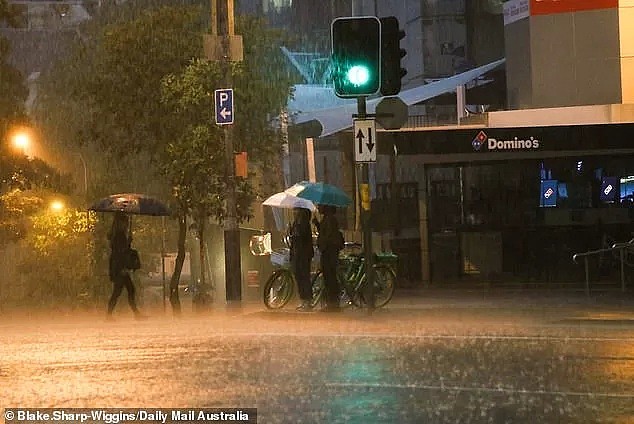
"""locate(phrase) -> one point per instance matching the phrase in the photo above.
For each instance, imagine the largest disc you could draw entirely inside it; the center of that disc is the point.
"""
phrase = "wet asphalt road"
(417, 361)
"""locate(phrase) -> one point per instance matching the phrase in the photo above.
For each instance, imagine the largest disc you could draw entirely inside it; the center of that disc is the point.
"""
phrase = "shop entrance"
(498, 221)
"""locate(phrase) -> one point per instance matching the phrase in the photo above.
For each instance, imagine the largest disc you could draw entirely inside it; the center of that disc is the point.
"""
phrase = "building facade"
(568, 53)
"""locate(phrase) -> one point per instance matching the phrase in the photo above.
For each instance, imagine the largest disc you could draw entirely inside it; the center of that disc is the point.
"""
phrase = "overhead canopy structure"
(338, 118)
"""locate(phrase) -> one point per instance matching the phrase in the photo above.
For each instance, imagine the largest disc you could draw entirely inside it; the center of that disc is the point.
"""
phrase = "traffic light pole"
(364, 192)
(366, 58)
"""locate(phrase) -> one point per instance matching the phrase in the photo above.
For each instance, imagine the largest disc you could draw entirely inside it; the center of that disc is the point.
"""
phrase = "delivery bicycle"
(352, 278)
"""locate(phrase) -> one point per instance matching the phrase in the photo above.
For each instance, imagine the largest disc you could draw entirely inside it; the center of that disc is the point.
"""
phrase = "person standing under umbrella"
(330, 243)
(120, 241)
(301, 254)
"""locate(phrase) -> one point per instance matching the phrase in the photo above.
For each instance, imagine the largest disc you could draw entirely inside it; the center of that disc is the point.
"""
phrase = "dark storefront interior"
(522, 220)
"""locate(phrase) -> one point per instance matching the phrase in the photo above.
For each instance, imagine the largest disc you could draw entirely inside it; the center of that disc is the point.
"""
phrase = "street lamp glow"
(57, 206)
(358, 75)
(21, 141)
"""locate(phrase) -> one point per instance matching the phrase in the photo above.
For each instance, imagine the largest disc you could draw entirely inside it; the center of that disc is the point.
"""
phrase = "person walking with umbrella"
(330, 242)
(301, 244)
(120, 238)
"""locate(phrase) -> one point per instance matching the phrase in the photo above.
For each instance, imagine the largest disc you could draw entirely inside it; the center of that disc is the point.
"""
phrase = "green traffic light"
(358, 75)
(356, 56)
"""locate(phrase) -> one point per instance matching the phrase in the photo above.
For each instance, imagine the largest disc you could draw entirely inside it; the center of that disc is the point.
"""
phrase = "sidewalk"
(516, 293)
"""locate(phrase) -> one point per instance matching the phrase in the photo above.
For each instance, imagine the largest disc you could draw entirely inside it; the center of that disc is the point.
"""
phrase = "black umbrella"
(136, 204)
(132, 203)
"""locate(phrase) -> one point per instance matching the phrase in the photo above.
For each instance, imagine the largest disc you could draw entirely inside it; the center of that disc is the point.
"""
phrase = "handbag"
(132, 260)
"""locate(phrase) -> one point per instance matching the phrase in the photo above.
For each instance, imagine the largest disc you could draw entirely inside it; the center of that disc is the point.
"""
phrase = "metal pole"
(163, 260)
(367, 230)
(622, 255)
(83, 162)
(233, 272)
(585, 263)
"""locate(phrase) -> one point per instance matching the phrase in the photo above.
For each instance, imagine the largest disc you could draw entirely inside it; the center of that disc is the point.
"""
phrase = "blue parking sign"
(224, 106)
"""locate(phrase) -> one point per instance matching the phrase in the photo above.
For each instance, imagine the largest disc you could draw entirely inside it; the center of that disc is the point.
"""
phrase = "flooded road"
(410, 363)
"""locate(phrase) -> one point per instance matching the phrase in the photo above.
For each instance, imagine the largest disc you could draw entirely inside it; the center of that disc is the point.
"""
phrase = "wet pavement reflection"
(409, 365)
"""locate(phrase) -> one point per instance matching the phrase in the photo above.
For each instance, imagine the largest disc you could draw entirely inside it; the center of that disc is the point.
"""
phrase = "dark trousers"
(119, 283)
(301, 269)
(329, 261)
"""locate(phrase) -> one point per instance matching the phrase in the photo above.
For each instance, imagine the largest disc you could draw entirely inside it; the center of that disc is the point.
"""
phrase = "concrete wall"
(626, 44)
(518, 64)
(575, 58)
(567, 59)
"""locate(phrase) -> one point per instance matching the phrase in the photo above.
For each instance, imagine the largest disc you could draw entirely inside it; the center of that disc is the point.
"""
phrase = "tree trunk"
(200, 295)
(178, 267)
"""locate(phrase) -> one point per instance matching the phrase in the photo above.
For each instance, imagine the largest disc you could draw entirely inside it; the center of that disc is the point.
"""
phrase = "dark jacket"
(301, 239)
(329, 236)
(119, 245)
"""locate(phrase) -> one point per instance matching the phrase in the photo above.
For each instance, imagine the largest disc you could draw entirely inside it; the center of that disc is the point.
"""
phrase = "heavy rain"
(288, 211)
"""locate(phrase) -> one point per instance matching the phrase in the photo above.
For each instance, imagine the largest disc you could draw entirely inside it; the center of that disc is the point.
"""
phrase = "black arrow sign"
(370, 144)
(360, 137)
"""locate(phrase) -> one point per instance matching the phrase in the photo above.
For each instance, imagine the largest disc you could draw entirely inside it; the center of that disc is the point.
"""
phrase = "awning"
(335, 119)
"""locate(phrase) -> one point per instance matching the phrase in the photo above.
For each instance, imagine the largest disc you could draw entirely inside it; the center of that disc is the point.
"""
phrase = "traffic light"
(391, 55)
(356, 56)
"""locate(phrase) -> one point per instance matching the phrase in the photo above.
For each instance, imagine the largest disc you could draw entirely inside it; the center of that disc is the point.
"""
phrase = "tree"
(195, 160)
(125, 93)
(105, 96)
(14, 92)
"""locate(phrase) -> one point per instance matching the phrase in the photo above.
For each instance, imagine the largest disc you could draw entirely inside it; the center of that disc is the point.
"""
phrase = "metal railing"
(620, 247)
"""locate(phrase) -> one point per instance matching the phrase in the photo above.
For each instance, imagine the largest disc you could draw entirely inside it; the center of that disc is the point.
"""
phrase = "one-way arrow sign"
(365, 140)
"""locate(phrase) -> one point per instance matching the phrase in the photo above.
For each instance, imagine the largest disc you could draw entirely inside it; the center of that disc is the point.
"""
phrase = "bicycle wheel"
(384, 282)
(319, 291)
(278, 289)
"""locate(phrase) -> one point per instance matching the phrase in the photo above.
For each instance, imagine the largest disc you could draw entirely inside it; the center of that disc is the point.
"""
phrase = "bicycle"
(279, 288)
(353, 280)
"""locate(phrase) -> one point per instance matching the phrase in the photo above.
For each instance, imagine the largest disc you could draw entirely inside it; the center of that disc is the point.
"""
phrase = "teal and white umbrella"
(320, 193)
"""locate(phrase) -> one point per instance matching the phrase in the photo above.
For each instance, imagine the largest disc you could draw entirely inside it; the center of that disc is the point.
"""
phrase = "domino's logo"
(479, 140)
(608, 189)
(549, 193)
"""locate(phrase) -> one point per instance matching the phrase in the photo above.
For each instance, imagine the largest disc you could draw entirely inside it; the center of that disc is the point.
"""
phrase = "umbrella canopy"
(288, 201)
(132, 203)
(320, 193)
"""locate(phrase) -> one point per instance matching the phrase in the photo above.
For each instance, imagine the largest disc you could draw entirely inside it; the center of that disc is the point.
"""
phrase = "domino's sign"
(494, 144)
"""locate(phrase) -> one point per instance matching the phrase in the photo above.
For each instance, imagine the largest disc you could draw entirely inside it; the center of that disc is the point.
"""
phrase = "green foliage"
(57, 267)
(131, 60)
(195, 160)
(262, 89)
(60, 230)
(12, 87)
(195, 163)
(15, 208)
(106, 95)
(21, 173)
(54, 262)
(14, 92)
